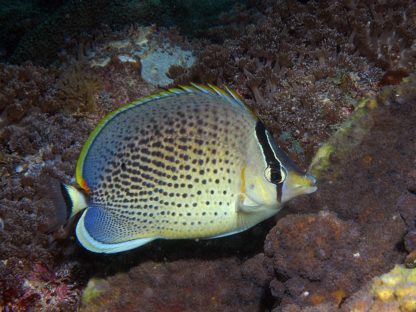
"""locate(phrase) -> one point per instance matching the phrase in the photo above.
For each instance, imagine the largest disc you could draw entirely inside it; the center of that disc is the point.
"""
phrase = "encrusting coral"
(173, 286)
(366, 184)
(394, 291)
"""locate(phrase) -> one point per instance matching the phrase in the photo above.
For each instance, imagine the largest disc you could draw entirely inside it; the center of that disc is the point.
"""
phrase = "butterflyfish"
(191, 162)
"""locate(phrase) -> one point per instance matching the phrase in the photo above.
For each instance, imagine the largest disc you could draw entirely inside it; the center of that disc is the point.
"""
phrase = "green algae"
(94, 290)
(349, 135)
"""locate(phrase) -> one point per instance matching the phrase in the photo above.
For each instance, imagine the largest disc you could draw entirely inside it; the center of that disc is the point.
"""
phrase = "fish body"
(193, 162)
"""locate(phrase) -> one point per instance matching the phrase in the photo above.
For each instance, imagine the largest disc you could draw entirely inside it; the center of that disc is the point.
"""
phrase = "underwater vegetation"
(332, 80)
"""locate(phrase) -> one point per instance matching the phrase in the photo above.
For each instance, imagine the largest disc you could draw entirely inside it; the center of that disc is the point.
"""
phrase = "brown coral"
(187, 285)
(318, 257)
(382, 31)
(78, 88)
(24, 88)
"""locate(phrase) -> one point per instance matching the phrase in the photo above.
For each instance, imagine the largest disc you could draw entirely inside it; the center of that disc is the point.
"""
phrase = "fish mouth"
(295, 185)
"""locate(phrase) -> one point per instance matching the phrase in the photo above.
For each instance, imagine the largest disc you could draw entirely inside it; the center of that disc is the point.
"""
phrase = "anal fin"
(92, 244)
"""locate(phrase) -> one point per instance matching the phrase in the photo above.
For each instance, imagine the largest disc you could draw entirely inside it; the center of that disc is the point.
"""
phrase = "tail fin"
(67, 202)
(74, 199)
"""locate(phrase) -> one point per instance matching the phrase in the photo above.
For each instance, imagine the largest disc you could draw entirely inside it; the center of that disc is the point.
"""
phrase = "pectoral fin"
(246, 205)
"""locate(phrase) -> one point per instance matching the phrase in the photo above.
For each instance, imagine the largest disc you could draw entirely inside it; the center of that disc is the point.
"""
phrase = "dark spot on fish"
(169, 149)
(170, 158)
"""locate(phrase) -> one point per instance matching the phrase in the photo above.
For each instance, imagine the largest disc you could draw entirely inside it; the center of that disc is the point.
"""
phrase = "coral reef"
(43, 43)
(394, 291)
(314, 71)
(23, 88)
(381, 31)
(78, 88)
(150, 52)
(290, 66)
(323, 258)
(185, 285)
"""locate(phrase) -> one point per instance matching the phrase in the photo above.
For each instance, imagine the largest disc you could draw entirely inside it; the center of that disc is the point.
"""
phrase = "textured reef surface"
(335, 83)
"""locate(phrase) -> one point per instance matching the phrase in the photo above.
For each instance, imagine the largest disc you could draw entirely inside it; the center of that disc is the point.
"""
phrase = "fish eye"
(274, 174)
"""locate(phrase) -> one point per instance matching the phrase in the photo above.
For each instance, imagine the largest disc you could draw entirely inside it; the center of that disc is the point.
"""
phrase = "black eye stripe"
(269, 155)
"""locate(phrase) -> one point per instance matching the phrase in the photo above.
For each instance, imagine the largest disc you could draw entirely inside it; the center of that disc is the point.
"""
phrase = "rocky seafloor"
(335, 83)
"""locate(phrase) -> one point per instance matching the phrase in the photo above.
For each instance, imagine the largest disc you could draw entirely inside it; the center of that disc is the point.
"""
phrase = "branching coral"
(213, 67)
(78, 88)
(382, 31)
(25, 88)
(294, 64)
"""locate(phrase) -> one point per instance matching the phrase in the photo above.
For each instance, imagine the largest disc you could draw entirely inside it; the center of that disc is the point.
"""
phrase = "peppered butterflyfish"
(190, 162)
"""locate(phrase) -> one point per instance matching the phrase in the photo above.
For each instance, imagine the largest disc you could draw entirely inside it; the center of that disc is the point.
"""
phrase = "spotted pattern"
(169, 168)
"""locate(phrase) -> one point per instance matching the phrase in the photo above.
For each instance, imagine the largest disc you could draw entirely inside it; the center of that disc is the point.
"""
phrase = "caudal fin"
(67, 202)
(74, 199)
